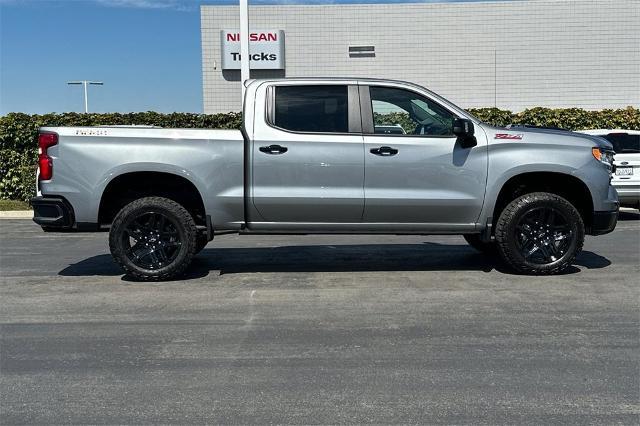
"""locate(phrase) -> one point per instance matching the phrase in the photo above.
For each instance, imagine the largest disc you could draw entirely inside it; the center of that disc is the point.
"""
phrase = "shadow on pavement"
(333, 258)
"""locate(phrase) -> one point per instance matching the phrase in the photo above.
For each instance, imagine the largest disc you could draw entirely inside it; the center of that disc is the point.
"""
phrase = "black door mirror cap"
(463, 127)
(464, 130)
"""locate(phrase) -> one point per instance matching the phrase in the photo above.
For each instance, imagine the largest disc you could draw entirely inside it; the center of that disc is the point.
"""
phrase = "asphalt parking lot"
(318, 330)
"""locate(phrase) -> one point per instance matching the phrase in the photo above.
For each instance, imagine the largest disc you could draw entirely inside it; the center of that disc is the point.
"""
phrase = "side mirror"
(463, 129)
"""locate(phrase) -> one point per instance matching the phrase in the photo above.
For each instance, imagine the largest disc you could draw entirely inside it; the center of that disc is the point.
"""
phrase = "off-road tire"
(180, 217)
(505, 233)
(474, 240)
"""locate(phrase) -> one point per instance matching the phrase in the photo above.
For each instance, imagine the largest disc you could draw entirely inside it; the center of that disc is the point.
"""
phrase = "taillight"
(45, 163)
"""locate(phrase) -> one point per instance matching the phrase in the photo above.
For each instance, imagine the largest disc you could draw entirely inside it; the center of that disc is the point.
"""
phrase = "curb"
(17, 214)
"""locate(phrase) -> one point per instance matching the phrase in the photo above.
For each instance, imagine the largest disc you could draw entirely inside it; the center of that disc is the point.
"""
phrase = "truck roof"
(344, 78)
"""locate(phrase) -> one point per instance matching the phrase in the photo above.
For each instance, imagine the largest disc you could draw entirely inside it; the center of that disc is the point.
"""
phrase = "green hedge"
(565, 118)
(18, 132)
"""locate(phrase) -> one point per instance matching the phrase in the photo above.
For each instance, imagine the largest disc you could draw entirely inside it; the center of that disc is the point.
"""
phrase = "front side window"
(321, 109)
(399, 111)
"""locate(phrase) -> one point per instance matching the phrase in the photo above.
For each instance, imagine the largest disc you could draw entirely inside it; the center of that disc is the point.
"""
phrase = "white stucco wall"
(514, 54)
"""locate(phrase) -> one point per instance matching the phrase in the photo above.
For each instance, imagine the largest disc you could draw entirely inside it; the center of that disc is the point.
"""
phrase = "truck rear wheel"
(539, 234)
(153, 239)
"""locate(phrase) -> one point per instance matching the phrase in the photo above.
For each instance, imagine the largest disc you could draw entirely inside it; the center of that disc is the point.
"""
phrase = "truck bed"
(87, 158)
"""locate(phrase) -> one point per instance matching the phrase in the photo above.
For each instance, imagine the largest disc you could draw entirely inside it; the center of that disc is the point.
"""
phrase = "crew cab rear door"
(307, 157)
(416, 172)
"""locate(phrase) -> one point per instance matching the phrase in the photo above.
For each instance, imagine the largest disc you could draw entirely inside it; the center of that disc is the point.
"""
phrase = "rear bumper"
(53, 213)
(603, 222)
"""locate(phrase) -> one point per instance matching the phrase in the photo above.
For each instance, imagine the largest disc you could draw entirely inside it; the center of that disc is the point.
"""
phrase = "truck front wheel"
(153, 238)
(539, 234)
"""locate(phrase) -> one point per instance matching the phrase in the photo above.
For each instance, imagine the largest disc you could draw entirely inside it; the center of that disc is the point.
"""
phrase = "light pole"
(244, 44)
(84, 83)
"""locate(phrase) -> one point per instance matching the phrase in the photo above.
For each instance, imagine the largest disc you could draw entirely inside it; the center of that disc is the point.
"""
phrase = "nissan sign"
(266, 50)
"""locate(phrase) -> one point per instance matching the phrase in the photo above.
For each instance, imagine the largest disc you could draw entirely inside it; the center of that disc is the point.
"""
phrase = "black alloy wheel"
(151, 240)
(543, 235)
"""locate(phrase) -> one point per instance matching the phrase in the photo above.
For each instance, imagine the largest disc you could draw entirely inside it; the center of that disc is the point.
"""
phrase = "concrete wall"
(514, 54)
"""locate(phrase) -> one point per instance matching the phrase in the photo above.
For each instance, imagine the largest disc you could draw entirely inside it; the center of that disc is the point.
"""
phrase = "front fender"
(498, 182)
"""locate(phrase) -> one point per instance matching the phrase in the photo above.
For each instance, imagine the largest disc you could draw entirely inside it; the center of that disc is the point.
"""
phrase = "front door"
(308, 166)
(415, 170)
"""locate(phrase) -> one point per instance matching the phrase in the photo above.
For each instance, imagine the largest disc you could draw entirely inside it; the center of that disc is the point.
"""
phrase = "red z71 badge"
(510, 136)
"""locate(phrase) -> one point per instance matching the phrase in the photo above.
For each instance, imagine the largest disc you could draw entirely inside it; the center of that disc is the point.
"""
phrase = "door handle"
(273, 149)
(384, 151)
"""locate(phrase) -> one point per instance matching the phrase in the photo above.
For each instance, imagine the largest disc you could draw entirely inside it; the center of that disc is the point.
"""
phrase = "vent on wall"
(362, 51)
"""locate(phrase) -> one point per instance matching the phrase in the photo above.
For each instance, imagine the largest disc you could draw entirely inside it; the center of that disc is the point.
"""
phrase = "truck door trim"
(366, 114)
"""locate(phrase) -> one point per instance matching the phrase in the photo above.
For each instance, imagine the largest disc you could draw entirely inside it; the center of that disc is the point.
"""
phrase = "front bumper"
(603, 222)
(53, 213)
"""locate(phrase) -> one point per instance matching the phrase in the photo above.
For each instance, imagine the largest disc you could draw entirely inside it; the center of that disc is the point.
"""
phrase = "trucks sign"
(266, 50)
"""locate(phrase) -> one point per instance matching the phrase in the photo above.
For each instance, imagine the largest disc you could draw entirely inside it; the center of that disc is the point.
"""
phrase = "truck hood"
(546, 136)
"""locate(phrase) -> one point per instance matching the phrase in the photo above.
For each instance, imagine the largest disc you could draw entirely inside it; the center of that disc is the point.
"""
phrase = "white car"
(626, 178)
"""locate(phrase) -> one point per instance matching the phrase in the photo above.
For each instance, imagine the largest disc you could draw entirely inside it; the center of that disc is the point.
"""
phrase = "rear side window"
(624, 143)
(322, 109)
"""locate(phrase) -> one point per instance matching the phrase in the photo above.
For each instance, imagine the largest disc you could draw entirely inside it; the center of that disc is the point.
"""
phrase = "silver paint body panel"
(86, 159)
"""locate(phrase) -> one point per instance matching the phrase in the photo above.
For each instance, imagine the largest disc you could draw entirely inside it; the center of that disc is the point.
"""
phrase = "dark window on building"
(362, 51)
(322, 109)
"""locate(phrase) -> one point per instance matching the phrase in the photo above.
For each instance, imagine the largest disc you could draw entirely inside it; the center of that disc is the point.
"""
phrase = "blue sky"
(147, 52)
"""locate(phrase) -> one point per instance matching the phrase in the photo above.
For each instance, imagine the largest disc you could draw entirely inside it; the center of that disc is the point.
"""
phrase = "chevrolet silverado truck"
(314, 156)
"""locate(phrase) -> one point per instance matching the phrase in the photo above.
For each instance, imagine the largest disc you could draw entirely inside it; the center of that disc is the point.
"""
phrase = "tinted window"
(408, 113)
(312, 108)
(624, 143)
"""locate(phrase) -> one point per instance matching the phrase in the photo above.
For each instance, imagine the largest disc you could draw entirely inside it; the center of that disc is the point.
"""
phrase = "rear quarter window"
(318, 109)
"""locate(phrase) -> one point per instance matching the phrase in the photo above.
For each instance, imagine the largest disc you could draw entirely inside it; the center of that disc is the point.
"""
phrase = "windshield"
(624, 143)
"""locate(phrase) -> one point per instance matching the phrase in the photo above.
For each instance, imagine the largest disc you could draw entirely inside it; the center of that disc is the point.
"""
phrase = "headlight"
(603, 156)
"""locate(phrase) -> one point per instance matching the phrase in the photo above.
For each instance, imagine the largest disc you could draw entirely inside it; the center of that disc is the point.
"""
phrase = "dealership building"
(509, 54)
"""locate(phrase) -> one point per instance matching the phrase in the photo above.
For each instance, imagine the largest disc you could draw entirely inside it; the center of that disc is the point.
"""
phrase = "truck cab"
(315, 157)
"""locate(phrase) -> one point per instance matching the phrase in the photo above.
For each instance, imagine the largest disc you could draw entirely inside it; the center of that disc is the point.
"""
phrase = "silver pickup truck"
(316, 156)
